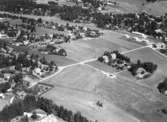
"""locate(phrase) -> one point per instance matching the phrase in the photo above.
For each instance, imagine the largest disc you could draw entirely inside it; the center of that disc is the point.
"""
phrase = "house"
(26, 42)
(59, 51)
(17, 119)
(142, 35)
(21, 94)
(159, 45)
(41, 116)
(2, 96)
(39, 112)
(105, 59)
(3, 36)
(159, 31)
(113, 56)
(7, 76)
(49, 118)
(126, 36)
(37, 71)
(136, 39)
(141, 73)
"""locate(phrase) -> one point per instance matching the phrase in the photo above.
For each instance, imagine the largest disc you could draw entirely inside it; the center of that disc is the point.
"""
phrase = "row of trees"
(31, 102)
(151, 0)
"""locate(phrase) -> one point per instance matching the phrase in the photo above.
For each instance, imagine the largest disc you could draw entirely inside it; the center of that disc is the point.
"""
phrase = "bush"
(162, 87)
(4, 87)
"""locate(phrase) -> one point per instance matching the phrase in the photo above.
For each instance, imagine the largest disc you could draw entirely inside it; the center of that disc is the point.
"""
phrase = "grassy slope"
(77, 91)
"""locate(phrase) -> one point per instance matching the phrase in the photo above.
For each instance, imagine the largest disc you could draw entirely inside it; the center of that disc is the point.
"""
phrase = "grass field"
(77, 89)
(102, 66)
(78, 77)
(86, 49)
(138, 97)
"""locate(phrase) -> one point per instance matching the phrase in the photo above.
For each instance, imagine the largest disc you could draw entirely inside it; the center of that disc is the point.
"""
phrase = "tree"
(4, 87)
(18, 78)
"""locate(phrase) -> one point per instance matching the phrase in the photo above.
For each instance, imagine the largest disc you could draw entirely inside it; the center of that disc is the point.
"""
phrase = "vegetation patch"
(120, 62)
(30, 103)
(162, 87)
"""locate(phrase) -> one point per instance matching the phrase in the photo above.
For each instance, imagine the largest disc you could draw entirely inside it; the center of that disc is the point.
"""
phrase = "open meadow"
(138, 97)
(76, 88)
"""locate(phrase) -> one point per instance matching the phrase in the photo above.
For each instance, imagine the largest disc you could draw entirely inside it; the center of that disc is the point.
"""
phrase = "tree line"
(30, 103)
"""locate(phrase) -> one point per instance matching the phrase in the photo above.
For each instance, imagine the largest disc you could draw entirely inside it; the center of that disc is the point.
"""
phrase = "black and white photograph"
(83, 60)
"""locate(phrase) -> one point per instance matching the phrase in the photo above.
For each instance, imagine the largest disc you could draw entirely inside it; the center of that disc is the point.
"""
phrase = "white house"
(49, 118)
(3, 36)
(37, 71)
(137, 39)
(140, 34)
(2, 96)
(126, 36)
(159, 45)
(141, 73)
(106, 59)
(113, 56)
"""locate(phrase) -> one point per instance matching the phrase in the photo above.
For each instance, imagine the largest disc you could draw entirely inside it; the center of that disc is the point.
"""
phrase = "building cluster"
(55, 50)
(25, 34)
(73, 32)
(142, 38)
(121, 62)
(16, 66)
(115, 59)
